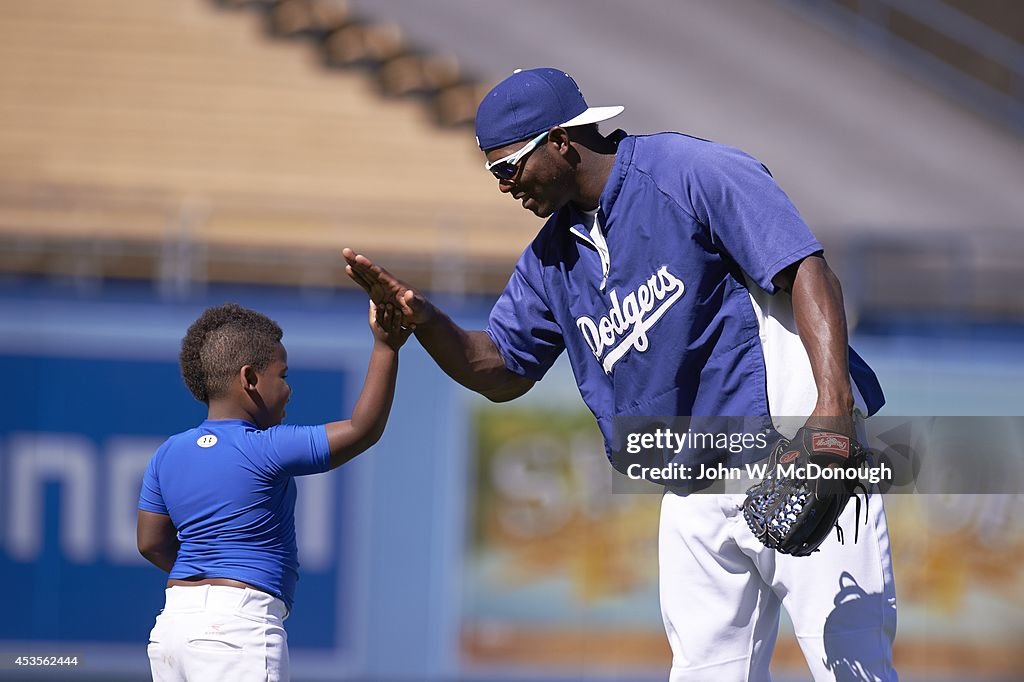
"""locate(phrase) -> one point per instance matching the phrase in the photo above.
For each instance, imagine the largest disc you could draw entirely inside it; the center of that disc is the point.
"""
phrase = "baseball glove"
(793, 514)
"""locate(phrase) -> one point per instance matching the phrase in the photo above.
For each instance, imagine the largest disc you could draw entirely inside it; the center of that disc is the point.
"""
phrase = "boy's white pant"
(721, 590)
(213, 633)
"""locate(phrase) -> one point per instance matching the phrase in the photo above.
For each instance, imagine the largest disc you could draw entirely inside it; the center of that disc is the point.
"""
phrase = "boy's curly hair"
(221, 342)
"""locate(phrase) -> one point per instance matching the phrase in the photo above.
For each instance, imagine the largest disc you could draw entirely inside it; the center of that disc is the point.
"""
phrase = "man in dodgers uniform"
(680, 280)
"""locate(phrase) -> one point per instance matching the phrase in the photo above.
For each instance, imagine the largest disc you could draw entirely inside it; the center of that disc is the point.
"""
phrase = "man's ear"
(248, 377)
(560, 136)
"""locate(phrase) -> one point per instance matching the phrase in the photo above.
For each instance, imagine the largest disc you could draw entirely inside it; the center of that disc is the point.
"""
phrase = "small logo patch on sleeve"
(207, 441)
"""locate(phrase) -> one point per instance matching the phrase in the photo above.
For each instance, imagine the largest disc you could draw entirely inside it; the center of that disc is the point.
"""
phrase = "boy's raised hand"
(386, 323)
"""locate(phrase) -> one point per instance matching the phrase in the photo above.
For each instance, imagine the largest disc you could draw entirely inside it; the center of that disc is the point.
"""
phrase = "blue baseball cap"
(529, 102)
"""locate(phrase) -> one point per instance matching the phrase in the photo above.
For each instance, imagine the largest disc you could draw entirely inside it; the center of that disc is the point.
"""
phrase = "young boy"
(217, 505)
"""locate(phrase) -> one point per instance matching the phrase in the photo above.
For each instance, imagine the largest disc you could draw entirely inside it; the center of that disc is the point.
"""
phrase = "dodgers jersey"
(675, 314)
(229, 489)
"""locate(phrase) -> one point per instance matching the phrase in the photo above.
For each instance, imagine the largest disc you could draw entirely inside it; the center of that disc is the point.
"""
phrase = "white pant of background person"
(214, 633)
(721, 591)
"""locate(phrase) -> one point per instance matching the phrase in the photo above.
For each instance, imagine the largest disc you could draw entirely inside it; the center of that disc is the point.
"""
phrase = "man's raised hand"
(383, 287)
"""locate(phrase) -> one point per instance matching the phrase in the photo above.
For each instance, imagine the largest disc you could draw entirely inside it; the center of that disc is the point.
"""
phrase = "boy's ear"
(248, 377)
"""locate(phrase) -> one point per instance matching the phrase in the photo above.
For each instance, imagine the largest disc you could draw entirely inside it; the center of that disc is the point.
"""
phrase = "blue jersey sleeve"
(522, 325)
(749, 216)
(297, 450)
(150, 498)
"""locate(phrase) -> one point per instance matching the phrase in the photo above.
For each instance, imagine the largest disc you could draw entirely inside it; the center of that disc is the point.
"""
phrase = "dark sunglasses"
(507, 167)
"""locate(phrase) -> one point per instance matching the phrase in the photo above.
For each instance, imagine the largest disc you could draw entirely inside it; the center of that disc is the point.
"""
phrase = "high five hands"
(388, 325)
(383, 288)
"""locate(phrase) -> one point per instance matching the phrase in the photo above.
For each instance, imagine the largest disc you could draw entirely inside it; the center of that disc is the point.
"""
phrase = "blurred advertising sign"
(75, 437)
(561, 567)
(559, 573)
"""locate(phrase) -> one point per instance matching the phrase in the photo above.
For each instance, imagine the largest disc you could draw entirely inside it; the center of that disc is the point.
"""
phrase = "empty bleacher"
(131, 132)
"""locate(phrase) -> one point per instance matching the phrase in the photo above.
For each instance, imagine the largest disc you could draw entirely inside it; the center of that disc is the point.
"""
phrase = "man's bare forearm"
(470, 358)
(821, 321)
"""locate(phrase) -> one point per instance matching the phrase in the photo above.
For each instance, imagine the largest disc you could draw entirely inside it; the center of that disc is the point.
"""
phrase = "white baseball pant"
(721, 591)
(215, 633)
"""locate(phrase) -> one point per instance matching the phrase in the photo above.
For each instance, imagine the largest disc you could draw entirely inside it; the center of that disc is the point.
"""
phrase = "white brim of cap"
(593, 115)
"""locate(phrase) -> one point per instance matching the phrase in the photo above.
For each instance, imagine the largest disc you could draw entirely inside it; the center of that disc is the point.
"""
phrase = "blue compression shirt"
(229, 490)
